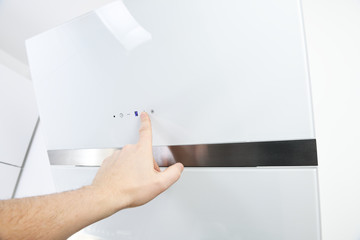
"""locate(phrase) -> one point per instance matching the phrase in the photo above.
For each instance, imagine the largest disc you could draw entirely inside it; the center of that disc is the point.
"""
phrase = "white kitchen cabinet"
(8, 178)
(18, 116)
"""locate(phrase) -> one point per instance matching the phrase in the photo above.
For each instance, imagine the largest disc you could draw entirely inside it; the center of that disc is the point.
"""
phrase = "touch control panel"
(131, 114)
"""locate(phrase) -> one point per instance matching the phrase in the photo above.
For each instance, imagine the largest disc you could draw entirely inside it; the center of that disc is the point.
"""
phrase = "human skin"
(128, 178)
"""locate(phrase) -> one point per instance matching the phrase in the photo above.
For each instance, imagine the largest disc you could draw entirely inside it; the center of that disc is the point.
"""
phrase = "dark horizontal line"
(249, 154)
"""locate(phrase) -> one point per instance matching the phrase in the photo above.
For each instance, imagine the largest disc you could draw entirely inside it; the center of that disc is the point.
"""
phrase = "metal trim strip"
(246, 154)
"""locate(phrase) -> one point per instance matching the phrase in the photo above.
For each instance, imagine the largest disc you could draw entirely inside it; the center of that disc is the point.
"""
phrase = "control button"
(121, 115)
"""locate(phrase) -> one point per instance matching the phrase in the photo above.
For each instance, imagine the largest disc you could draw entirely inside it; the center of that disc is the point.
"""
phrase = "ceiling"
(22, 19)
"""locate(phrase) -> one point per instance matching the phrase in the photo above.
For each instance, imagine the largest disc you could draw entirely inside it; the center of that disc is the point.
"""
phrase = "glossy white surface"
(215, 72)
(8, 177)
(20, 20)
(216, 203)
(18, 116)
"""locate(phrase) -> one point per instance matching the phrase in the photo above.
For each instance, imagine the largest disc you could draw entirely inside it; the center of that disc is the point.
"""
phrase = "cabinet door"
(8, 177)
(18, 116)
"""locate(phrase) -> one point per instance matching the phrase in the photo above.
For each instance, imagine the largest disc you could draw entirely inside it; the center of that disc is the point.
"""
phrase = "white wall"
(333, 34)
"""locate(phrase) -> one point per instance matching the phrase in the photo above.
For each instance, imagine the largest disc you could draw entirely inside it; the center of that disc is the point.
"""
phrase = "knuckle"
(116, 152)
(128, 147)
(125, 148)
(144, 129)
(105, 161)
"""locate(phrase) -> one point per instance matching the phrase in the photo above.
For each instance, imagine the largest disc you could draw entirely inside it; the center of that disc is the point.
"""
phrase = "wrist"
(105, 200)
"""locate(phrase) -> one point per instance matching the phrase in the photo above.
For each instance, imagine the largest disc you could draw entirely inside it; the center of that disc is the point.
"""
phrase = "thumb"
(170, 175)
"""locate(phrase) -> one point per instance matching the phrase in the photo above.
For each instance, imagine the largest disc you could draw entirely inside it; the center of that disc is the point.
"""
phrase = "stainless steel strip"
(250, 154)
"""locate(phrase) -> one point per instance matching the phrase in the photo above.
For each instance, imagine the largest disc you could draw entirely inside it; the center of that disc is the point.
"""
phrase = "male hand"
(130, 177)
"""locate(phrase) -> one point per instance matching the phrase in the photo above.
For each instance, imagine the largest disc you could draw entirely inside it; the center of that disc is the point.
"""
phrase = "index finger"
(145, 132)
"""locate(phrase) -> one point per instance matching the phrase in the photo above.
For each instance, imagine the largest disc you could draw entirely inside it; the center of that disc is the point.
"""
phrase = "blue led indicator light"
(136, 113)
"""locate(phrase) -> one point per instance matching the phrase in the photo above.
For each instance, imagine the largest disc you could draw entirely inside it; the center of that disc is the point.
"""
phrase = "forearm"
(55, 216)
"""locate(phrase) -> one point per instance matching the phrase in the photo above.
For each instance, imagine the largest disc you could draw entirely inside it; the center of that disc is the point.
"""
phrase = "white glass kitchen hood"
(208, 73)
(226, 84)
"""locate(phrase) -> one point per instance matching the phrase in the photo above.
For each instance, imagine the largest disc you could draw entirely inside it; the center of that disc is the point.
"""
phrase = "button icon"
(121, 115)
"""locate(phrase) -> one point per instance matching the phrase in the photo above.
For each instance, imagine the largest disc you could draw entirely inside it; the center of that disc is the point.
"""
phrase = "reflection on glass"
(118, 20)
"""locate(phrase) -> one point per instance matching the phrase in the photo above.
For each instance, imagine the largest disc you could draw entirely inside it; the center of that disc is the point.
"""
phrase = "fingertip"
(180, 166)
(144, 116)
